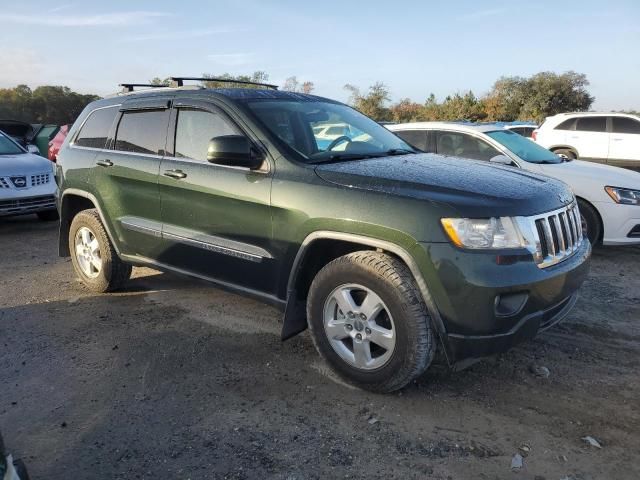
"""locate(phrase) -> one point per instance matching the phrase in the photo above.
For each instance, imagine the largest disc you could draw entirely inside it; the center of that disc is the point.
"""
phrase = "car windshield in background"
(323, 131)
(524, 148)
(8, 146)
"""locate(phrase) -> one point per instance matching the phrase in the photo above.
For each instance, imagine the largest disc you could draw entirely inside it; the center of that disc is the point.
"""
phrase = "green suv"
(385, 253)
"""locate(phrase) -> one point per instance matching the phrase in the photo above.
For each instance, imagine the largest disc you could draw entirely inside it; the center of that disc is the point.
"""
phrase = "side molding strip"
(196, 239)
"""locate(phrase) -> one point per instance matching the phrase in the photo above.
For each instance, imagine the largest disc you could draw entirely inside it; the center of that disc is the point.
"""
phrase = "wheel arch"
(72, 202)
(329, 245)
(553, 148)
(598, 214)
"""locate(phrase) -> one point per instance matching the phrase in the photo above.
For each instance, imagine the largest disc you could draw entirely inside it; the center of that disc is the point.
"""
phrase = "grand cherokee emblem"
(19, 182)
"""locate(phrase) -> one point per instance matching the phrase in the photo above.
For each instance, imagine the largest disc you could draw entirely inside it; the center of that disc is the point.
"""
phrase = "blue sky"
(415, 47)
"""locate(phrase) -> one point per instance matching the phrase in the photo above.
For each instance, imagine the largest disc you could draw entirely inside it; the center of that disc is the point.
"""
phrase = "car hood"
(474, 188)
(23, 164)
(592, 174)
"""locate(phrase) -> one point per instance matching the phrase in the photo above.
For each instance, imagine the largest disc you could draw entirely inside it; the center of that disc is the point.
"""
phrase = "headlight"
(484, 233)
(624, 195)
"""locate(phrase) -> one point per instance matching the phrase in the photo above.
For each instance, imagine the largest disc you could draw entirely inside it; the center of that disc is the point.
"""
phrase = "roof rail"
(129, 87)
(179, 81)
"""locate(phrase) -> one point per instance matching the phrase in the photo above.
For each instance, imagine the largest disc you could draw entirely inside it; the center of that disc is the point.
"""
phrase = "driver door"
(216, 219)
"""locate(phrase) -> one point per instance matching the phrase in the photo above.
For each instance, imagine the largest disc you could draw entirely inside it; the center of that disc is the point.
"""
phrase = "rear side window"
(196, 128)
(95, 131)
(625, 125)
(567, 124)
(143, 132)
(591, 124)
(465, 146)
(415, 138)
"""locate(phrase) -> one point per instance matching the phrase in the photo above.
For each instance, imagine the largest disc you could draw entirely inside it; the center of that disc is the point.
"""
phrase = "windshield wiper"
(338, 157)
(399, 151)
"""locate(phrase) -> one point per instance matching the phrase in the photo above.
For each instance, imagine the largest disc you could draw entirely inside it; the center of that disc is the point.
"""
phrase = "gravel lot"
(174, 379)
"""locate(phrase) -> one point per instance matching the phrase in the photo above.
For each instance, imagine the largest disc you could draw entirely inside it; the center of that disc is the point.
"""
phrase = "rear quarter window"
(567, 125)
(95, 130)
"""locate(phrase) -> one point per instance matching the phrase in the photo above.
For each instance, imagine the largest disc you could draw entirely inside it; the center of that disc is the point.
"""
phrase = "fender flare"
(96, 205)
(295, 320)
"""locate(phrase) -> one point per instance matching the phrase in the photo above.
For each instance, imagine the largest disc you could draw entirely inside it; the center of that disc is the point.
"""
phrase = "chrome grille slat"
(561, 239)
(556, 235)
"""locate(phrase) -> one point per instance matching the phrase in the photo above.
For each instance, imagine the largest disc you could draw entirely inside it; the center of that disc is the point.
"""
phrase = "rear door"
(624, 142)
(126, 175)
(216, 218)
(590, 138)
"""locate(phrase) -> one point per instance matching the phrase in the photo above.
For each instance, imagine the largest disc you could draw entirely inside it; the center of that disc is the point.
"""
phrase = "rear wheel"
(369, 322)
(93, 256)
(566, 152)
(591, 224)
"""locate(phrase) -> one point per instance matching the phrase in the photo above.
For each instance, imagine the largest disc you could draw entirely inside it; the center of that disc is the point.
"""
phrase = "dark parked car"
(386, 254)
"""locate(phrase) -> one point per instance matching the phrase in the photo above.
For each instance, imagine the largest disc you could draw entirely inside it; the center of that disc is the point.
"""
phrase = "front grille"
(3, 183)
(20, 205)
(40, 179)
(558, 234)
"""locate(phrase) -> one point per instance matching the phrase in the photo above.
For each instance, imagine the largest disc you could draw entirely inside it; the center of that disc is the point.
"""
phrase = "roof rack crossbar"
(129, 87)
(179, 81)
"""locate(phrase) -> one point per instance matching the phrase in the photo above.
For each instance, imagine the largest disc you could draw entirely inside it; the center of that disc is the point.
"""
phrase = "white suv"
(612, 138)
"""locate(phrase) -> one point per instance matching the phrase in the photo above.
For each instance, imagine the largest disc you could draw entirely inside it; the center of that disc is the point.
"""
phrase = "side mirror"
(502, 160)
(31, 148)
(235, 151)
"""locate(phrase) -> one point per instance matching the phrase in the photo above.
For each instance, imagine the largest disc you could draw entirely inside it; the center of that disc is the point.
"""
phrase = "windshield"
(323, 131)
(526, 149)
(8, 146)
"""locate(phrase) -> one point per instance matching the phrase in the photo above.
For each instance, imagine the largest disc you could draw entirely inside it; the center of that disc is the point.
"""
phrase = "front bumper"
(618, 223)
(489, 302)
(26, 205)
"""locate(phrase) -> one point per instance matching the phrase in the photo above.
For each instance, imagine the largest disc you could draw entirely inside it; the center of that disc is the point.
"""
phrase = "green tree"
(373, 104)
(257, 76)
(46, 104)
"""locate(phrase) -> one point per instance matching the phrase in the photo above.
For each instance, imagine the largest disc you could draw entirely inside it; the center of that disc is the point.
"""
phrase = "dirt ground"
(175, 379)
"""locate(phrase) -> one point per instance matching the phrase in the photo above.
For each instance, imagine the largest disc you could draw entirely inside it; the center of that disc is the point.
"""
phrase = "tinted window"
(567, 124)
(625, 125)
(525, 149)
(415, 138)
(7, 147)
(95, 131)
(142, 132)
(295, 123)
(592, 124)
(465, 146)
(196, 128)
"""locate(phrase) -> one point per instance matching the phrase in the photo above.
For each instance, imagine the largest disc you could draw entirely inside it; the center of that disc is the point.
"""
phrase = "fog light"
(509, 304)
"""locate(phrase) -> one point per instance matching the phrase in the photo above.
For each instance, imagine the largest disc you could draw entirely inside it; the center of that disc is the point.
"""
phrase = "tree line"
(46, 104)
(510, 98)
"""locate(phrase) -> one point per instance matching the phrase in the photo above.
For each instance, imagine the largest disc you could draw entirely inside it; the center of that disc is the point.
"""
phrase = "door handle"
(105, 163)
(177, 174)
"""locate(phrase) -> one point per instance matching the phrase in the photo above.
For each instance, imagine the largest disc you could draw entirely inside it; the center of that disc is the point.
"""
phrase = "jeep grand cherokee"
(386, 254)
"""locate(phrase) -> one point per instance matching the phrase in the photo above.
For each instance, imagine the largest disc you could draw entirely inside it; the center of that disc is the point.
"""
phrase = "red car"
(56, 142)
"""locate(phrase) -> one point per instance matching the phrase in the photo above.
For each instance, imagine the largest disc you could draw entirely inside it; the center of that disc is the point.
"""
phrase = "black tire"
(566, 152)
(591, 224)
(393, 283)
(48, 215)
(114, 272)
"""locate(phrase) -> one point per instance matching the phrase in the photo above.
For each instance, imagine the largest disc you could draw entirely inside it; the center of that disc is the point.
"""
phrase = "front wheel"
(570, 154)
(368, 320)
(93, 256)
(591, 225)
